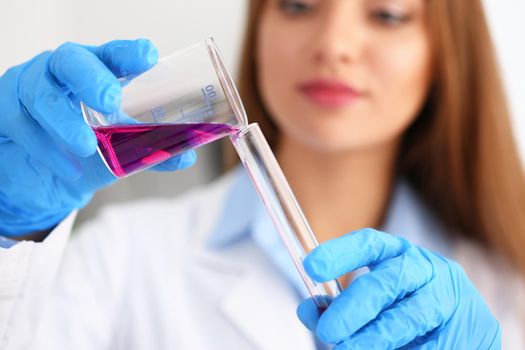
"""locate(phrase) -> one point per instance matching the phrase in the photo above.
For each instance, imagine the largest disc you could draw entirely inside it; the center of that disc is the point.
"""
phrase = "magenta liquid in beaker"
(129, 148)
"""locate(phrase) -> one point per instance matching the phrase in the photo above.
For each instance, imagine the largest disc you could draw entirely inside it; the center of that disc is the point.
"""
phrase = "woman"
(383, 114)
(429, 109)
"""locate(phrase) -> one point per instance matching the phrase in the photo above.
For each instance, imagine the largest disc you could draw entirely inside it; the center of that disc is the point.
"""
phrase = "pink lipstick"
(329, 93)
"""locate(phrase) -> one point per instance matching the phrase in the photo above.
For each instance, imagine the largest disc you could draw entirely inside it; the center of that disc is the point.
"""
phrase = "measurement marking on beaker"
(209, 95)
(158, 113)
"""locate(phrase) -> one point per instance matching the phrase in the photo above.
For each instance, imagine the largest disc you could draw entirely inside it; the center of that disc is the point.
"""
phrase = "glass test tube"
(287, 216)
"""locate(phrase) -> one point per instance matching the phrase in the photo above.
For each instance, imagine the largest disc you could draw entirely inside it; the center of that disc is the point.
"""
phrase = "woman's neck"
(340, 192)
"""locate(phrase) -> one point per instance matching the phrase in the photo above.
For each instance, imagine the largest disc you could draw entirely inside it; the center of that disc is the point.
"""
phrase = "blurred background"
(28, 27)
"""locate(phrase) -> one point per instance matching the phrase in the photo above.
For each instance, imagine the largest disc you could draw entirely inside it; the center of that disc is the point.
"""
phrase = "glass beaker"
(186, 100)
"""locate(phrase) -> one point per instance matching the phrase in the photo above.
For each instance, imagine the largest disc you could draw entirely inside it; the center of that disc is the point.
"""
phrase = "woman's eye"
(389, 18)
(294, 7)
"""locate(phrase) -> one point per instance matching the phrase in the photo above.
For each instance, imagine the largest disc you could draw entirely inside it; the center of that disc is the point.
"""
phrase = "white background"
(31, 26)
(508, 30)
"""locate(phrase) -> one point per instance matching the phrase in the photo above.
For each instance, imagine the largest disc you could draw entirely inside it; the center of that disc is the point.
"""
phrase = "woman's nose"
(340, 36)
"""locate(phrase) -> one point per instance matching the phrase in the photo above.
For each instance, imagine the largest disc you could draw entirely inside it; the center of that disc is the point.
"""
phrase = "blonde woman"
(383, 113)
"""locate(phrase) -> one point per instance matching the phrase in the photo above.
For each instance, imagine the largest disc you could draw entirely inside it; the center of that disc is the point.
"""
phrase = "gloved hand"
(410, 299)
(48, 160)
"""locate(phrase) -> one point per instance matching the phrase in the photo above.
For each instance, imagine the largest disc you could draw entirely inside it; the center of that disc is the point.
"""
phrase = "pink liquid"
(130, 148)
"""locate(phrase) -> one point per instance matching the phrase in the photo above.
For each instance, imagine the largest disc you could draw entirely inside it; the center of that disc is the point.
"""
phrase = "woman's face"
(340, 75)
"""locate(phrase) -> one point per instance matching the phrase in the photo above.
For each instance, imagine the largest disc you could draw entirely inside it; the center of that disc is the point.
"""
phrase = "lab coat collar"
(410, 218)
(238, 211)
(262, 308)
(244, 216)
(258, 304)
(256, 292)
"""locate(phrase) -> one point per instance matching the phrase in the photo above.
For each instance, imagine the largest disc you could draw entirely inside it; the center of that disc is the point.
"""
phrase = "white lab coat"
(143, 276)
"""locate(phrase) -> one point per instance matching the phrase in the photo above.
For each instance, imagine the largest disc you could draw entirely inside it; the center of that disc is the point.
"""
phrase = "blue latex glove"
(410, 299)
(48, 160)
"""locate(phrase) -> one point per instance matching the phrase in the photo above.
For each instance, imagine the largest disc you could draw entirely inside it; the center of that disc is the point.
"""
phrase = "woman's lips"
(329, 93)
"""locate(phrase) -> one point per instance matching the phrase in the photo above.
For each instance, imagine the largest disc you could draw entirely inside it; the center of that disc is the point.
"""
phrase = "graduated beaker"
(186, 100)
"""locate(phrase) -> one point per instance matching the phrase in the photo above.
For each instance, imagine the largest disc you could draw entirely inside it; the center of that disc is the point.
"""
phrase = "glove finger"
(54, 111)
(406, 321)
(127, 58)
(339, 256)
(86, 76)
(370, 294)
(180, 162)
(309, 314)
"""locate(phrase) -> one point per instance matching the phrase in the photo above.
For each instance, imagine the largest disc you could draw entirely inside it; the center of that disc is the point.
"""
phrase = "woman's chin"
(338, 141)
